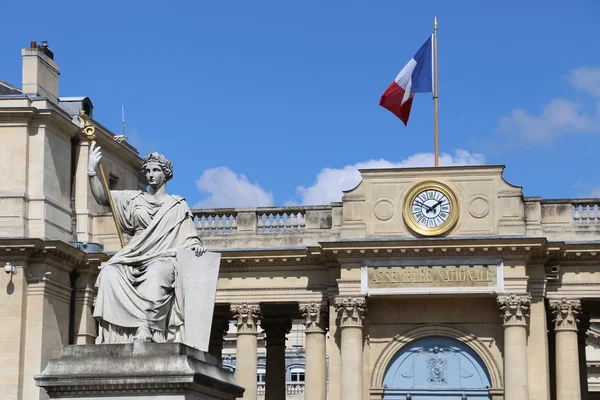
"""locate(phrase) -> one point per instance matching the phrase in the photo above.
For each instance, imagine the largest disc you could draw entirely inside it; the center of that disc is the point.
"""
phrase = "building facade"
(423, 283)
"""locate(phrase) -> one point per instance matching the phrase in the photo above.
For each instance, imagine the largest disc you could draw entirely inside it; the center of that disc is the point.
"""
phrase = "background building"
(351, 300)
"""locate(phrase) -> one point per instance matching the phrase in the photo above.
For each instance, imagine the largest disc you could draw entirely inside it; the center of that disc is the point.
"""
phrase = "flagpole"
(435, 93)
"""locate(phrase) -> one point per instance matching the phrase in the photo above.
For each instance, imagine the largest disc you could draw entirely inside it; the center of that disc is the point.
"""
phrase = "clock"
(430, 208)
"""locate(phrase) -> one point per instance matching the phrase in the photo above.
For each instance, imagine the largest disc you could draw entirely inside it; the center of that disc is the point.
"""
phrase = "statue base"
(137, 371)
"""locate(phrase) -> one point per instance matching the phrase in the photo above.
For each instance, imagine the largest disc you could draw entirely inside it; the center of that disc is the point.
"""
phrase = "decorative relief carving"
(351, 310)
(436, 366)
(515, 308)
(479, 206)
(314, 317)
(566, 314)
(246, 317)
(384, 209)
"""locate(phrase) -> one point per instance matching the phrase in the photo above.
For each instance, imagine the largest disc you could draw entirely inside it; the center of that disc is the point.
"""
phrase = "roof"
(7, 89)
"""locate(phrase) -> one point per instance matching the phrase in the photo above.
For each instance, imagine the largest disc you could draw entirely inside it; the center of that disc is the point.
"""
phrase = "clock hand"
(428, 209)
(437, 204)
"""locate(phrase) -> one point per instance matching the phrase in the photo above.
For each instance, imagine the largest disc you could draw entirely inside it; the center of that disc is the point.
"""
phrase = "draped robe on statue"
(142, 283)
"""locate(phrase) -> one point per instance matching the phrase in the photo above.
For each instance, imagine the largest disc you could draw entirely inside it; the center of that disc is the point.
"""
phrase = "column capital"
(351, 310)
(314, 317)
(566, 314)
(514, 308)
(246, 317)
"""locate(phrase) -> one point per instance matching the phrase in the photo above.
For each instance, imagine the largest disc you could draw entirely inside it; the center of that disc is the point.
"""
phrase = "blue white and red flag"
(415, 77)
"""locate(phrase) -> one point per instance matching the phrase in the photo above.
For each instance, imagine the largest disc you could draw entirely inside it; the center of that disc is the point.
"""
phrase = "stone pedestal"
(137, 371)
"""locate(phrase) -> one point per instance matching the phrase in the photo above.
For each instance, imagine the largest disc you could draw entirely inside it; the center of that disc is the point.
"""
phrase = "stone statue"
(140, 289)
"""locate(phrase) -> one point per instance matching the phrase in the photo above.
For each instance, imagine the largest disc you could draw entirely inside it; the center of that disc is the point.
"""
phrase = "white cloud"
(586, 78)
(228, 189)
(557, 118)
(330, 182)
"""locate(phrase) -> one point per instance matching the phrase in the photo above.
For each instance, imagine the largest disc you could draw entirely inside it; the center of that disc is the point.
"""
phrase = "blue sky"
(252, 100)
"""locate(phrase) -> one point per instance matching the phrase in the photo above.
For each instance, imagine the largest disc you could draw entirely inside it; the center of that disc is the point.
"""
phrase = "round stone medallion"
(479, 206)
(383, 209)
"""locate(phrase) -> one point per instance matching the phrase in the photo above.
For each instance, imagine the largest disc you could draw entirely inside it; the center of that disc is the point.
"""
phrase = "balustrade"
(295, 387)
(216, 223)
(265, 220)
(281, 221)
(586, 212)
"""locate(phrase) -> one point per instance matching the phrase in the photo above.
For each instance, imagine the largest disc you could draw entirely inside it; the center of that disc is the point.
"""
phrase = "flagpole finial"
(435, 23)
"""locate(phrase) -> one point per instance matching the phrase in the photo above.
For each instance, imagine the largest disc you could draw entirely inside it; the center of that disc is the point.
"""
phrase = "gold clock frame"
(410, 220)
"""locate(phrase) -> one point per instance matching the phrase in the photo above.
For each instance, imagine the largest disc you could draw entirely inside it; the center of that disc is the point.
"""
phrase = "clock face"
(430, 208)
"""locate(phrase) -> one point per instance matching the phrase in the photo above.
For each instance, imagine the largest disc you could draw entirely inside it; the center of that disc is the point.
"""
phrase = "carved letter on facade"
(515, 308)
(566, 314)
(351, 310)
(314, 317)
(246, 317)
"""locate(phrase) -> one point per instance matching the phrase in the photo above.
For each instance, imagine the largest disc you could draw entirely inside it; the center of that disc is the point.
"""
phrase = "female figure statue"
(140, 295)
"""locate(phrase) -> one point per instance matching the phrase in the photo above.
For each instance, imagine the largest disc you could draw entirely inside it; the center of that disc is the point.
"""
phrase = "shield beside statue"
(200, 275)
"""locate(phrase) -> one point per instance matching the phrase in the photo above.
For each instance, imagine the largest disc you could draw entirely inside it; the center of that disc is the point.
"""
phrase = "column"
(566, 320)
(315, 385)
(584, 325)
(246, 319)
(220, 327)
(351, 313)
(276, 329)
(515, 311)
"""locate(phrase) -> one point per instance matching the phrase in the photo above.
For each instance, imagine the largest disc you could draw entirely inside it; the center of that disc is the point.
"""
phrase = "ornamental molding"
(515, 309)
(314, 316)
(351, 310)
(246, 317)
(566, 314)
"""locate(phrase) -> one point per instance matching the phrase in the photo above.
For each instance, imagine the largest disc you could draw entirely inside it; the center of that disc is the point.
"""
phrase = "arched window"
(296, 373)
(436, 367)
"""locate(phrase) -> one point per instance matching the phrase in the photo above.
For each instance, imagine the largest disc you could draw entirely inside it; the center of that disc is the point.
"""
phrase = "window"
(297, 374)
(260, 375)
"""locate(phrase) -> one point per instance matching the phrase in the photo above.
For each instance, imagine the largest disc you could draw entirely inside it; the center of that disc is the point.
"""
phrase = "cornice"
(54, 252)
(477, 170)
(446, 247)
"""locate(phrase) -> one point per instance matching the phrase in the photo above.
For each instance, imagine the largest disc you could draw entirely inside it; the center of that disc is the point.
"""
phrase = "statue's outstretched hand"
(198, 249)
(95, 156)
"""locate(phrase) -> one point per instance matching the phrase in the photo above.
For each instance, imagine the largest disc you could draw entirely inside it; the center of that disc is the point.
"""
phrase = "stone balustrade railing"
(586, 211)
(575, 212)
(266, 220)
(290, 388)
(294, 387)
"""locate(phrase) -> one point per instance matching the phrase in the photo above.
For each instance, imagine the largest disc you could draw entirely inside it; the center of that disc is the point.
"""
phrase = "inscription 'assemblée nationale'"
(432, 276)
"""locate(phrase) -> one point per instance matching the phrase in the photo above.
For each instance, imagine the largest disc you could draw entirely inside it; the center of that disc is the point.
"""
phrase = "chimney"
(40, 72)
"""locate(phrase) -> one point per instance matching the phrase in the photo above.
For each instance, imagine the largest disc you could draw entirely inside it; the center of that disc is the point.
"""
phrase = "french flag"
(415, 77)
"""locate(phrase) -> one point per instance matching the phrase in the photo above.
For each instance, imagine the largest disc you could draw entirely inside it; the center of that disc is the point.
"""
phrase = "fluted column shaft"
(276, 330)
(246, 317)
(566, 319)
(315, 386)
(351, 313)
(515, 311)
